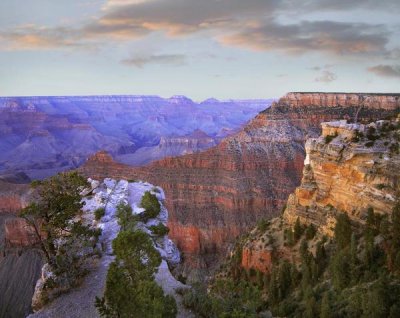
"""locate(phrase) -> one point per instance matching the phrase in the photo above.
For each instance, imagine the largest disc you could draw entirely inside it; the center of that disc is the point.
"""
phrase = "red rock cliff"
(216, 195)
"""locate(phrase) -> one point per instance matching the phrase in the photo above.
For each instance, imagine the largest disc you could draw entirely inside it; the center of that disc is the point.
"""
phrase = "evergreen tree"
(54, 214)
(298, 230)
(396, 227)
(326, 310)
(376, 301)
(354, 262)
(151, 205)
(130, 288)
(284, 279)
(340, 269)
(311, 310)
(126, 219)
(343, 231)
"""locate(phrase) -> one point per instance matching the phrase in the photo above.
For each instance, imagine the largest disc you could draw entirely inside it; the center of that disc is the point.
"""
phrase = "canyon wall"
(216, 195)
(42, 136)
(348, 169)
(358, 169)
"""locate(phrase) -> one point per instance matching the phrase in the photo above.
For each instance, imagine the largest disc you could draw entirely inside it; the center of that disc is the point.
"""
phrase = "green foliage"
(126, 219)
(225, 299)
(55, 216)
(151, 205)
(262, 225)
(326, 306)
(358, 136)
(297, 230)
(99, 213)
(130, 288)
(127, 297)
(159, 229)
(310, 232)
(354, 277)
(288, 236)
(329, 138)
(340, 268)
(134, 247)
(343, 231)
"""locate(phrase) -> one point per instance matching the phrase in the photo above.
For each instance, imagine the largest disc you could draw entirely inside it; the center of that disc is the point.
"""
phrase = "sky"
(198, 48)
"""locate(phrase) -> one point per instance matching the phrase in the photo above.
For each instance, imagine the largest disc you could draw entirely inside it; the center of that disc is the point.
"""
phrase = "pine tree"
(298, 230)
(55, 213)
(326, 310)
(354, 262)
(343, 231)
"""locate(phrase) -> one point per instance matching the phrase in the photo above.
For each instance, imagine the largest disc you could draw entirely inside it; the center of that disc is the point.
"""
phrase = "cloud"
(386, 70)
(342, 5)
(170, 59)
(33, 37)
(339, 38)
(250, 24)
(326, 77)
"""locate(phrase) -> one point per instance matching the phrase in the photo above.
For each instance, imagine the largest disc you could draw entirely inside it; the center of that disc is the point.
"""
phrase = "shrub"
(358, 136)
(394, 148)
(151, 205)
(369, 144)
(99, 213)
(159, 229)
(329, 138)
(126, 219)
(310, 232)
(262, 225)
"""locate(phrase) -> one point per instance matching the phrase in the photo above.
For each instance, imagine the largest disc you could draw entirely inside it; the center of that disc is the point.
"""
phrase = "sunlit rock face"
(343, 173)
(45, 135)
(216, 195)
(347, 174)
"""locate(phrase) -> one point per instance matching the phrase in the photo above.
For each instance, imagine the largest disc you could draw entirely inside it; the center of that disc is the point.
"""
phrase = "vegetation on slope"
(130, 287)
(354, 274)
(56, 218)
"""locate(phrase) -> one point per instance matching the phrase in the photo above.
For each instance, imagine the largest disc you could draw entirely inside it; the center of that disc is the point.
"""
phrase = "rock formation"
(218, 194)
(45, 135)
(356, 170)
(108, 194)
(348, 169)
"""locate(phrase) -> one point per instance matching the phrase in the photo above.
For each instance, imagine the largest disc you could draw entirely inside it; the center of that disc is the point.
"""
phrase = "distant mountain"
(43, 135)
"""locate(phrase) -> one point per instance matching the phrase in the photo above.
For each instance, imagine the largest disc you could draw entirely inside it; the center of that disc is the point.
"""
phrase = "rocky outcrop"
(216, 195)
(367, 100)
(108, 194)
(350, 168)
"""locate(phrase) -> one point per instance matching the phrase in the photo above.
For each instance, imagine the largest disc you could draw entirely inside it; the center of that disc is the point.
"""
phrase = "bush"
(262, 225)
(151, 205)
(126, 219)
(369, 144)
(99, 213)
(329, 138)
(310, 232)
(159, 229)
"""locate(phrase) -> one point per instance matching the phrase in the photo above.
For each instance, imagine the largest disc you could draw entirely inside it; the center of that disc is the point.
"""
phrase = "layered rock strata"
(350, 174)
(216, 195)
(348, 169)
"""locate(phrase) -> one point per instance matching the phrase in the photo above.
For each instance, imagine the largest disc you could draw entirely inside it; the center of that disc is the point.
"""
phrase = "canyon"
(343, 173)
(216, 195)
(41, 136)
